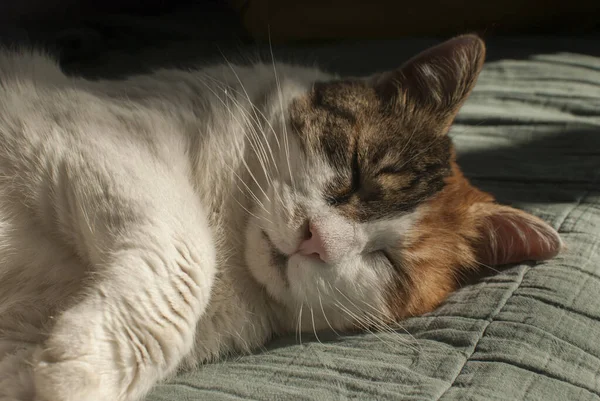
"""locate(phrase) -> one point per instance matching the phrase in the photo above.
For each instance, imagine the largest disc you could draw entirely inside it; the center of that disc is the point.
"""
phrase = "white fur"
(131, 219)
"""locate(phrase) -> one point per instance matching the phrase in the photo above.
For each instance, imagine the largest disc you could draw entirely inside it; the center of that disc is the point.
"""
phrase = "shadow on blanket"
(556, 168)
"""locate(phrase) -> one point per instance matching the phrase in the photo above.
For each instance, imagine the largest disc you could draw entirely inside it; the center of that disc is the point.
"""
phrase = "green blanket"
(530, 134)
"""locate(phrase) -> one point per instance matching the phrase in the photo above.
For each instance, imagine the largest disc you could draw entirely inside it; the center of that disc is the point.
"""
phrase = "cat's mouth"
(278, 258)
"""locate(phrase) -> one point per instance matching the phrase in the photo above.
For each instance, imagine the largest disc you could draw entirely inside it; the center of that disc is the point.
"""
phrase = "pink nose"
(313, 244)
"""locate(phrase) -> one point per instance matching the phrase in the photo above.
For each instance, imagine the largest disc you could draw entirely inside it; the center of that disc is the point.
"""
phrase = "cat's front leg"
(153, 263)
(126, 334)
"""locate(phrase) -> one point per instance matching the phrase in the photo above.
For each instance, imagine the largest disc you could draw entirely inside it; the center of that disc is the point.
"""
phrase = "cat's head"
(367, 217)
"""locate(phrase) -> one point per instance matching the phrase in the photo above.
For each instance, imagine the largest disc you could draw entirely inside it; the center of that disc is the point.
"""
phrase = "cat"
(168, 219)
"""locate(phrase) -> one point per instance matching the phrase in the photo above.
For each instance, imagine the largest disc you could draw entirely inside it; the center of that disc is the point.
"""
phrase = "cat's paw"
(16, 376)
(98, 351)
(76, 362)
(59, 378)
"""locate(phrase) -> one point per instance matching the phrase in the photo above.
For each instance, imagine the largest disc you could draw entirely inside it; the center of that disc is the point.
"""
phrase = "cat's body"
(170, 218)
(174, 117)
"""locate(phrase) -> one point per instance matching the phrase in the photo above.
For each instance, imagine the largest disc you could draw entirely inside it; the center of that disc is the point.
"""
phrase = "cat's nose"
(313, 244)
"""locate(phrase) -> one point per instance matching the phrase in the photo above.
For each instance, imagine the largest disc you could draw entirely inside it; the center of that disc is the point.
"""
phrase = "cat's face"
(366, 218)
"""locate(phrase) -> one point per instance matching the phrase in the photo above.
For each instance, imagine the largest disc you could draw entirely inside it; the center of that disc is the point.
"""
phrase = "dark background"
(117, 37)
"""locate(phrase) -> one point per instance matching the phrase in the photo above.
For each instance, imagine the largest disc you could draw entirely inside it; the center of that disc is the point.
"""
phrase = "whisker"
(241, 125)
(323, 310)
(396, 324)
(455, 127)
(254, 108)
(312, 317)
(453, 252)
(285, 136)
(408, 141)
(433, 142)
(300, 323)
(377, 322)
(259, 128)
(255, 143)
(362, 323)
(252, 214)
(254, 138)
(254, 197)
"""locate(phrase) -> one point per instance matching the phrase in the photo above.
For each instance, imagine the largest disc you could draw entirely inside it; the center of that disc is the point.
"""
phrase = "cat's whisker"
(261, 153)
(299, 336)
(479, 263)
(424, 150)
(376, 321)
(249, 170)
(324, 314)
(381, 330)
(86, 218)
(362, 323)
(489, 267)
(252, 194)
(279, 198)
(354, 318)
(408, 141)
(252, 214)
(257, 110)
(358, 310)
(252, 324)
(270, 126)
(255, 129)
(455, 128)
(384, 326)
(391, 326)
(312, 317)
(253, 137)
(248, 193)
(246, 347)
(381, 318)
(283, 119)
(254, 108)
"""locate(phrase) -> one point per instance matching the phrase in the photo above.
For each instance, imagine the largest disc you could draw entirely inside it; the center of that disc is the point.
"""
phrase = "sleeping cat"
(155, 223)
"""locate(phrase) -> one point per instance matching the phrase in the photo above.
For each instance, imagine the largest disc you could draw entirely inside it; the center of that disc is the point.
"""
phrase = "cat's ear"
(438, 80)
(508, 235)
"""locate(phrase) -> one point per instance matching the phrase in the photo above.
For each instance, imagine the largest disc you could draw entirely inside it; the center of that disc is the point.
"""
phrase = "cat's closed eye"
(380, 254)
(351, 188)
(338, 199)
(389, 170)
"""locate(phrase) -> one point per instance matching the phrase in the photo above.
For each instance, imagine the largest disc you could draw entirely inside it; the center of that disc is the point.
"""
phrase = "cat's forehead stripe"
(400, 163)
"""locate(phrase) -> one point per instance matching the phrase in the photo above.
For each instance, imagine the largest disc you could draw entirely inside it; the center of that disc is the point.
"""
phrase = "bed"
(529, 134)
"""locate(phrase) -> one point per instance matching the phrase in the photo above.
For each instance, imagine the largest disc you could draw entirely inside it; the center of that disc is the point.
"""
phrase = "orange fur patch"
(462, 233)
(439, 251)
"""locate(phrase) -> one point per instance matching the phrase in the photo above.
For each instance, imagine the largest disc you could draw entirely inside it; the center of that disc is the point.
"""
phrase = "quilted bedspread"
(529, 134)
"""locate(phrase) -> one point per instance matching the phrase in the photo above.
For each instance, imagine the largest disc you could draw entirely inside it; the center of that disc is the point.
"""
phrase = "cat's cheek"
(259, 261)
